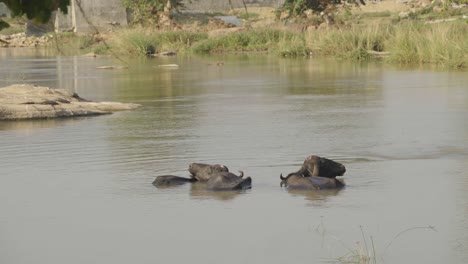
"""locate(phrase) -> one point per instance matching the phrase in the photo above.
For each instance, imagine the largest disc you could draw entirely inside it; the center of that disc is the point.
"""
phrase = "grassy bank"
(141, 41)
(274, 41)
(409, 42)
(126, 42)
(442, 44)
(412, 42)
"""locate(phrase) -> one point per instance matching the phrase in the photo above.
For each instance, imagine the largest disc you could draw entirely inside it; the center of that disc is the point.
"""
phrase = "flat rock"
(26, 101)
(111, 67)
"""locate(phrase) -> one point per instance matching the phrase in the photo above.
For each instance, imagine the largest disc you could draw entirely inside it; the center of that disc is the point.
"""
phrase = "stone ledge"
(26, 101)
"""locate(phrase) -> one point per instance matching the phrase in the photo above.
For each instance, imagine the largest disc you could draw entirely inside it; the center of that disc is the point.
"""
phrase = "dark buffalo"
(203, 172)
(323, 167)
(171, 180)
(297, 182)
(228, 181)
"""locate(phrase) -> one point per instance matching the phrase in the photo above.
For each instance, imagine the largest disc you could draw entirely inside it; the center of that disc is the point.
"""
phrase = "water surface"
(79, 190)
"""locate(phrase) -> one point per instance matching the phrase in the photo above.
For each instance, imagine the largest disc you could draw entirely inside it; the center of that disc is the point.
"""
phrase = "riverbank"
(402, 33)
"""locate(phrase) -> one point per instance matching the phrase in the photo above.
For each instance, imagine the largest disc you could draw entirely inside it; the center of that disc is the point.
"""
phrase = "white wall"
(102, 14)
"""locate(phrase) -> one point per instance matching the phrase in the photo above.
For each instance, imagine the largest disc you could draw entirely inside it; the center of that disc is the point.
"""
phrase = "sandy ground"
(265, 16)
(391, 6)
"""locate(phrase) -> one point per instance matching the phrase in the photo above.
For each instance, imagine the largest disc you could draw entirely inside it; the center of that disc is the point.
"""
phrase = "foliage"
(39, 11)
(68, 43)
(14, 25)
(140, 41)
(353, 43)
(296, 8)
(267, 40)
(293, 46)
(179, 41)
(247, 16)
(134, 42)
(441, 44)
(145, 12)
(3, 24)
(376, 14)
(409, 42)
(101, 48)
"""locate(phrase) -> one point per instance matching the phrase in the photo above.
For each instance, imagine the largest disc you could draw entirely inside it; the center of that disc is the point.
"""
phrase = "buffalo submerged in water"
(316, 173)
(203, 172)
(171, 180)
(216, 177)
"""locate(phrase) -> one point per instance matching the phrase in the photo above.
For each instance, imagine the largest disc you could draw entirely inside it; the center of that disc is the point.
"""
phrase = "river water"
(79, 190)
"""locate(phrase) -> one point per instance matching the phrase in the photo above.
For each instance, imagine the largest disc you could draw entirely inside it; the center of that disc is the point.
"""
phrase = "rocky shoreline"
(26, 101)
(20, 40)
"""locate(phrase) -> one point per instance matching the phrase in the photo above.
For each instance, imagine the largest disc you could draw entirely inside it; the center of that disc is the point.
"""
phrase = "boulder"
(26, 101)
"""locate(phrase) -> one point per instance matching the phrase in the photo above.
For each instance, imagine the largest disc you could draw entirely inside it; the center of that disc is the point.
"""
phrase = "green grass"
(132, 42)
(442, 44)
(141, 41)
(247, 16)
(16, 25)
(101, 48)
(408, 42)
(376, 14)
(180, 41)
(11, 30)
(353, 43)
(293, 46)
(71, 44)
(266, 40)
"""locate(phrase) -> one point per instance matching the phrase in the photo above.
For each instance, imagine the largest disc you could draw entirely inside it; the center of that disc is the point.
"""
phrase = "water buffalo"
(171, 180)
(228, 181)
(203, 172)
(323, 167)
(297, 182)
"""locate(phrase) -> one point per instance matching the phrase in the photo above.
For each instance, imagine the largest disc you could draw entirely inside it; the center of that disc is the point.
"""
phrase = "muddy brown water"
(79, 190)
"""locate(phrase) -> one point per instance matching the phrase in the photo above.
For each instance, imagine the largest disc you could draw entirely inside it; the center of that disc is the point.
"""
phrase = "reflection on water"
(38, 124)
(198, 190)
(71, 189)
(316, 197)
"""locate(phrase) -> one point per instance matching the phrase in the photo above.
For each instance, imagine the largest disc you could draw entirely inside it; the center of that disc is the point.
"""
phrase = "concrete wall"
(223, 5)
(103, 14)
(107, 14)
